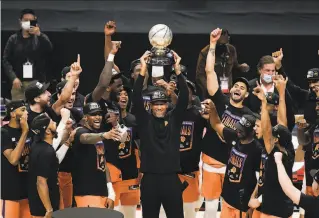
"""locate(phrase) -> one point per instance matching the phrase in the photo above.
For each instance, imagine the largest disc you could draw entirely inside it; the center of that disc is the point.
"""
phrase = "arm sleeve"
(6, 142)
(138, 102)
(7, 57)
(201, 78)
(309, 203)
(44, 164)
(182, 100)
(60, 130)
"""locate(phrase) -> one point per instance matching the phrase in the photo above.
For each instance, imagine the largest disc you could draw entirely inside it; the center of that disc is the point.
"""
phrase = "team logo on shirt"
(125, 149)
(23, 165)
(235, 166)
(315, 145)
(147, 103)
(261, 178)
(100, 158)
(186, 136)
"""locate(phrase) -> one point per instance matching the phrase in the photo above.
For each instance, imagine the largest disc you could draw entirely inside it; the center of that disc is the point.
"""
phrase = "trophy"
(160, 37)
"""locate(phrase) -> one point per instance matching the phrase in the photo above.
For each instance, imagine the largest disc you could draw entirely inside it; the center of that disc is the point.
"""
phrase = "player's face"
(117, 85)
(70, 102)
(123, 99)
(94, 120)
(238, 92)
(258, 130)
(44, 98)
(159, 109)
(52, 128)
(17, 113)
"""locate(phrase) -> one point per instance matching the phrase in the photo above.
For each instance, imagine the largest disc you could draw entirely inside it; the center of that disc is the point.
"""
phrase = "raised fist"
(215, 35)
(110, 28)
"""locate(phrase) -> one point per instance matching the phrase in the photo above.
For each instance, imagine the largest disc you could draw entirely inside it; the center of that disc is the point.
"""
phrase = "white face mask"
(25, 25)
(267, 78)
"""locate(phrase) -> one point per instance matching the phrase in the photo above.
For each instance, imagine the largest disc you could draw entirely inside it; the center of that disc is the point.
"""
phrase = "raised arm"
(265, 119)
(109, 30)
(280, 84)
(212, 80)
(214, 119)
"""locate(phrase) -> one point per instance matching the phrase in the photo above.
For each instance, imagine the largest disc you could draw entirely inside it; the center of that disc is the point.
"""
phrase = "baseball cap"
(272, 98)
(91, 108)
(60, 86)
(283, 134)
(192, 86)
(64, 71)
(40, 123)
(35, 89)
(313, 74)
(243, 80)
(246, 123)
(11, 106)
(158, 95)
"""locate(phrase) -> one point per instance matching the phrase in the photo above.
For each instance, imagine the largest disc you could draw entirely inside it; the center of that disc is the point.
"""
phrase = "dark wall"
(300, 53)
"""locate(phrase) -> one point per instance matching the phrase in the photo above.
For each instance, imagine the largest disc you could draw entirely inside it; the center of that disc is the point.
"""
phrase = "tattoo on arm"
(90, 138)
(212, 51)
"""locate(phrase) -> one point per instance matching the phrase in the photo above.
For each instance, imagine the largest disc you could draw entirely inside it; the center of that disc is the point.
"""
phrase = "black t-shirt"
(261, 179)
(126, 151)
(310, 204)
(44, 163)
(191, 140)
(230, 115)
(315, 149)
(240, 177)
(88, 170)
(273, 193)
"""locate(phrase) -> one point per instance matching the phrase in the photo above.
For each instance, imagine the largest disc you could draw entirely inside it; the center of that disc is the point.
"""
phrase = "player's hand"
(115, 46)
(109, 204)
(144, 59)
(76, 68)
(113, 134)
(253, 203)
(258, 92)
(315, 188)
(71, 138)
(280, 83)
(177, 60)
(209, 106)
(35, 30)
(48, 214)
(302, 123)
(24, 122)
(65, 114)
(278, 157)
(16, 84)
(110, 28)
(278, 56)
(215, 35)
(112, 118)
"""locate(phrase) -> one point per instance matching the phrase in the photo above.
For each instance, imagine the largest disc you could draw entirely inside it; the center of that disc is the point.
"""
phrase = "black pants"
(157, 189)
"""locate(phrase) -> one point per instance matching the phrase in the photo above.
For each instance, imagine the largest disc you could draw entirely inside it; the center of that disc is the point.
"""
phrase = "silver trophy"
(160, 37)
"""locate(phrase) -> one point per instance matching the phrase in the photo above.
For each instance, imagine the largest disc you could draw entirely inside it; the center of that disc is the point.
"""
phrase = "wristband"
(110, 57)
(110, 190)
(49, 211)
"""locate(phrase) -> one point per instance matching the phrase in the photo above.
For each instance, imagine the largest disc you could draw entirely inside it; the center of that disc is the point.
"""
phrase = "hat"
(35, 89)
(283, 134)
(246, 123)
(313, 74)
(60, 86)
(40, 123)
(272, 98)
(158, 95)
(243, 80)
(11, 106)
(64, 71)
(192, 86)
(91, 108)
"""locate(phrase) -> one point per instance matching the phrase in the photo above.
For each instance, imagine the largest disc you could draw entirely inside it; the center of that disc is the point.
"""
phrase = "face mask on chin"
(25, 25)
(267, 78)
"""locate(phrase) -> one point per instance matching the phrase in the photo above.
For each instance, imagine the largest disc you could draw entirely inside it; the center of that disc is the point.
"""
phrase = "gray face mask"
(267, 78)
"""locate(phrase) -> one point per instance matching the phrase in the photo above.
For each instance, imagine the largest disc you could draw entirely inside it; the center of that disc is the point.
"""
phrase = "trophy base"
(161, 57)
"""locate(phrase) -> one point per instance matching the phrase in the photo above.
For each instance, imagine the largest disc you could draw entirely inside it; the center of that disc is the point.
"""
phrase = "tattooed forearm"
(90, 138)
(212, 51)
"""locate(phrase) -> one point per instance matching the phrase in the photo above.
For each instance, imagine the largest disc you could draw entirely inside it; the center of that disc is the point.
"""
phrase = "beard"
(237, 100)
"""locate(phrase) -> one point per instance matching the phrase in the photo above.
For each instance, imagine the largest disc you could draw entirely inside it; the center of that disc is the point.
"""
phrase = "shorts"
(230, 212)
(90, 201)
(66, 190)
(116, 174)
(191, 193)
(127, 192)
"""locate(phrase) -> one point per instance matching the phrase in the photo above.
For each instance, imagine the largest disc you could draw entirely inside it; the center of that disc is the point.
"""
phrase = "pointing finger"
(78, 61)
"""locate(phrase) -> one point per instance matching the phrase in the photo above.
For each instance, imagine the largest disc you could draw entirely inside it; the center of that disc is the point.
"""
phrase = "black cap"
(246, 123)
(40, 123)
(158, 95)
(192, 86)
(11, 106)
(272, 98)
(243, 80)
(283, 134)
(313, 74)
(60, 86)
(64, 71)
(91, 108)
(35, 89)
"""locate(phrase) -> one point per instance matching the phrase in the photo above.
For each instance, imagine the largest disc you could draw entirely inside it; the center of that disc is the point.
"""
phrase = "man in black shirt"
(25, 54)
(243, 162)
(43, 189)
(15, 148)
(160, 140)
(309, 203)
